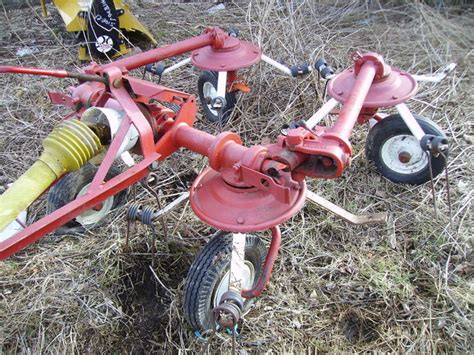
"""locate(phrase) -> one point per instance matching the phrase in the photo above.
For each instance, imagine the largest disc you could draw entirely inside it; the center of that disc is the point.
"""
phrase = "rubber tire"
(67, 188)
(230, 97)
(394, 125)
(206, 271)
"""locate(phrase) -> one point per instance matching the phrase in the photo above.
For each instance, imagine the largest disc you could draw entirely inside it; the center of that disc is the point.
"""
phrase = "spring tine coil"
(146, 216)
(133, 212)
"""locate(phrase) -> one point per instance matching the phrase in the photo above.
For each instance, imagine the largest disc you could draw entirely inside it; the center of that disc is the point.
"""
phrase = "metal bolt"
(154, 166)
(117, 83)
(394, 97)
(340, 92)
(240, 220)
(222, 65)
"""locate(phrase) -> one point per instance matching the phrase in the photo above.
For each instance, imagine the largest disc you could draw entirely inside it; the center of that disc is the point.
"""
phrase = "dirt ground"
(335, 287)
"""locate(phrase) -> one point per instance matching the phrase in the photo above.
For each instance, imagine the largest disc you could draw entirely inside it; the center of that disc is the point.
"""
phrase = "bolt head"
(240, 220)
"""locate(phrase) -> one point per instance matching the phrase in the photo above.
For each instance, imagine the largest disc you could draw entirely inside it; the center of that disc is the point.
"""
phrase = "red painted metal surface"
(355, 101)
(218, 46)
(397, 88)
(362, 90)
(390, 86)
(240, 209)
(58, 73)
(244, 189)
(233, 55)
(272, 254)
(155, 55)
(109, 158)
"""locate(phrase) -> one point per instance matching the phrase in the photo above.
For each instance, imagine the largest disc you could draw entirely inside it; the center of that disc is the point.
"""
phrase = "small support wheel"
(76, 184)
(207, 89)
(208, 277)
(397, 154)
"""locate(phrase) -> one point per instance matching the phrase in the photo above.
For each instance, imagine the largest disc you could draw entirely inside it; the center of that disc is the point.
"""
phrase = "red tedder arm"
(245, 189)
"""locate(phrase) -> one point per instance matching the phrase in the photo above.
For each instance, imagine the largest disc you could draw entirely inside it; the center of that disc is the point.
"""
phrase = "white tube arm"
(177, 65)
(277, 65)
(321, 113)
(410, 121)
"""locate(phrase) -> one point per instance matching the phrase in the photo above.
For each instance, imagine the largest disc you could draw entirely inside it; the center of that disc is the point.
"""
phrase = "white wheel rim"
(210, 93)
(223, 287)
(403, 154)
(92, 216)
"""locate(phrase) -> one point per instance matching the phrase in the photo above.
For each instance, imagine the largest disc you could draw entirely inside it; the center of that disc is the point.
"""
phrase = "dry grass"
(335, 287)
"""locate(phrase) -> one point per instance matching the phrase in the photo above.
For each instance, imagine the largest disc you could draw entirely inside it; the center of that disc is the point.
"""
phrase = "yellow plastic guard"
(68, 147)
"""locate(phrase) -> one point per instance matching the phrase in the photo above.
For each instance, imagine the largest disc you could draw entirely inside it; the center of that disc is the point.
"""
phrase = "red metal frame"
(270, 179)
(272, 254)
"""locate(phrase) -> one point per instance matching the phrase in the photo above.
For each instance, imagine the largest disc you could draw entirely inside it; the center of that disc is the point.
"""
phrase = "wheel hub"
(210, 93)
(404, 157)
(403, 154)
(96, 213)
(248, 278)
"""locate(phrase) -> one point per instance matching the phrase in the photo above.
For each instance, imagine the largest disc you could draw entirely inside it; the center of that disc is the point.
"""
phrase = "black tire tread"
(206, 267)
(230, 97)
(393, 125)
(66, 189)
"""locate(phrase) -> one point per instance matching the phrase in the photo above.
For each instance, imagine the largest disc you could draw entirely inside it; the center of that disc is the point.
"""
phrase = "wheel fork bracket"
(237, 263)
(429, 143)
(230, 307)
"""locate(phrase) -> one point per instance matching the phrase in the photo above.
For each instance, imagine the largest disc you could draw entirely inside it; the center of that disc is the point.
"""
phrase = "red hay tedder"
(244, 189)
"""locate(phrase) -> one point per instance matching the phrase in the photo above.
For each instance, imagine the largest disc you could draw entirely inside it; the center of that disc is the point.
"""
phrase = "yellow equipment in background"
(106, 26)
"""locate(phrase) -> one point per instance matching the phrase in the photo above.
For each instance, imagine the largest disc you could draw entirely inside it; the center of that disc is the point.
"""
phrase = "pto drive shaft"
(67, 148)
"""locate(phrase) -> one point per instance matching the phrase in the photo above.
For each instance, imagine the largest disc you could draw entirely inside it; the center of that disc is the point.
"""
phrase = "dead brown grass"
(334, 287)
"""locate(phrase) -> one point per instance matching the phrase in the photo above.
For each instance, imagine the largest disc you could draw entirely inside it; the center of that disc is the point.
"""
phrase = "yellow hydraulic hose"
(68, 147)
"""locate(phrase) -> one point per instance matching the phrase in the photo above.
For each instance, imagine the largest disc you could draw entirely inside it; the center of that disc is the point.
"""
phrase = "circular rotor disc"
(235, 55)
(239, 210)
(398, 87)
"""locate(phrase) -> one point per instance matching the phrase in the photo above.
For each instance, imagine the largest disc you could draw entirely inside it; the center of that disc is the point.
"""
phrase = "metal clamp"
(218, 103)
(434, 144)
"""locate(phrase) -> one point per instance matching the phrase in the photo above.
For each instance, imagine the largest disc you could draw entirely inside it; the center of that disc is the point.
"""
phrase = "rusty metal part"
(148, 185)
(374, 218)
(227, 314)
